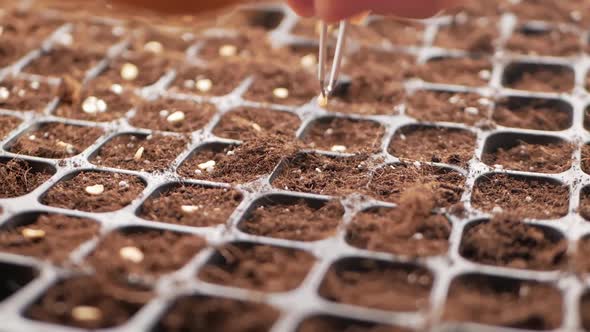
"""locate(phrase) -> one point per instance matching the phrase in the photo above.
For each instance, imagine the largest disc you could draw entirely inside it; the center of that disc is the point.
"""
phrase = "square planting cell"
(140, 152)
(63, 61)
(54, 140)
(47, 237)
(257, 267)
(139, 252)
(509, 242)
(476, 35)
(502, 301)
(326, 323)
(544, 40)
(173, 115)
(246, 123)
(523, 196)
(13, 278)
(533, 113)
(470, 71)
(161, 42)
(398, 32)
(26, 95)
(344, 135)
(538, 77)
(276, 84)
(137, 69)
(377, 63)
(247, 45)
(565, 11)
(292, 218)
(94, 191)
(528, 153)
(229, 163)
(8, 123)
(191, 205)
(202, 313)
(19, 177)
(88, 302)
(584, 208)
(103, 35)
(433, 144)
(449, 106)
(378, 285)
(216, 79)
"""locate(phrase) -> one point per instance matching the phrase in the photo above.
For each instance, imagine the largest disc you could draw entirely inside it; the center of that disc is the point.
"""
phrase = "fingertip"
(303, 8)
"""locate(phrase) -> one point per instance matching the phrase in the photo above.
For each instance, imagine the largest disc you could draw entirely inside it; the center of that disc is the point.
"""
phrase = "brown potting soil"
(410, 229)
(509, 242)
(11, 51)
(8, 124)
(292, 218)
(433, 144)
(539, 77)
(71, 193)
(14, 278)
(467, 108)
(585, 310)
(504, 302)
(300, 85)
(558, 11)
(375, 63)
(378, 285)
(407, 32)
(581, 260)
(525, 197)
(249, 44)
(154, 115)
(101, 34)
(213, 205)
(214, 314)
(584, 208)
(26, 95)
(246, 123)
(532, 113)
(550, 42)
(55, 140)
(473, 35)
(548, 157)
(20, 177)
(140, 152)
(172, 42)
(115, 303)
(62, 235)
(62, 61)
(336, 324)
(225, 77)
(330, 133)
(456, 70)
(150, 68)
(161, 252)
(258, 267)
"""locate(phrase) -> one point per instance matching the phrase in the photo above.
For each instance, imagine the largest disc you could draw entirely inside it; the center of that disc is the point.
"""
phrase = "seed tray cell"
(251, 217)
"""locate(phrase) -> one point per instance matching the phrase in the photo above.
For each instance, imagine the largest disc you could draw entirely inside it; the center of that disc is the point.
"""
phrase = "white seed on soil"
(198, 171)
(329, 131)
(471, 110)
(498, 166)
(230, 153)
(190, 209)
(132, 254)
(93, 105)
(497, 209)
(228, 50)
(576, 15)
(35, 85)
(21, 93)
(402, 137)
(4, 93)
(176, 117)
(417, 164)
(454, 99)
(281, 93)
(484, 101)
(309, 61)
(338, 148)
(418, 236)
(322, 100)
(256, 127)
(528, 199)
(485, 74)
(33, 234)
(96, 189)
(129, 71)
(164, 113)
(32, 137)
(318, 170)
(123, 184)
(66, 39)
(153, 46)
(204, 84)
(207, 166)
(189, 84)
(116, 89)
(69, 148)
(138, 154)
(84, 313)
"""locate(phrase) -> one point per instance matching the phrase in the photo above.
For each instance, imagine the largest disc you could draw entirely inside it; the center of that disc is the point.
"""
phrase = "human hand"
(335, 10)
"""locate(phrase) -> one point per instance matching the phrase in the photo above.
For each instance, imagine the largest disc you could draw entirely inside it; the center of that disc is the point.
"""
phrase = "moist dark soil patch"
(550, 42)
(509, 242)
(344, 135)
(237, 164)
(407, 33)
(62, 302)
(433, 144)
(204, 206)
(140, 152)
(545, 157)
(161, 42)
(8, 124)
(119, 191)
(532, 113)
(55, 140)
(258, 267)
(473, 35)
(581, 258)
(378, 285)
(157, 115)
(539, 78)
(272, 81)
(63, 61)
(61, 235)
(216, 79)
(150, 68)
(390, 182)
(335, 324)
(293, 218)
(324, 175)
(26, 95)
(82, 102)
(461, 71)
(13, 278)
(504, 302)
(584, 208)
(160, 252)
(446, 106)
(214, 314)
(102, 35)
(246, 45)
(411, 229)
(250, 123)
(20, 177)
(525, 197)
(552, 11)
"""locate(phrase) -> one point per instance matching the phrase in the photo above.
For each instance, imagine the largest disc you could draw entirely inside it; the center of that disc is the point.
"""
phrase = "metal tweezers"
(328, 87)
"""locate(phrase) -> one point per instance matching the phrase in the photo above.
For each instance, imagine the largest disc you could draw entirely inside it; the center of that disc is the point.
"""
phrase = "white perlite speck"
(94, 105)
(154, 47)
(280, 93)
(138, 154)
(33, 234)
(35, 85)
(207, 166)
(190, 208)
(228, 50)
(485, 74)
(528, 199)
(4, 93)
(116, 89)
(256, 127)
(176, 117)
(132, 254)
(96, 189)
(129, 71)
(204, 84)
(338, 148)
(86, 313)
(309, 61)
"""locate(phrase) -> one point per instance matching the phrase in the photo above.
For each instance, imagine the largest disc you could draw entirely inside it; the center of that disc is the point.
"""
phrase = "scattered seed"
(93, 105)
(418, 236)
(471, 110)
(176, 117)
(528, 199)
(207, 166)
(281, 93)
(116, 89)
(230, 153)
(164, 113)
(498, 166)
(524, 291)
(256, 127)
(228, 50)
(190, 209)
(69, 148)
(66, 39)
(96, 189)
(132, 254)
(35, 85)
(153, 46)
(576, 15)
(329, 131)
(338, 148)
(33, 234)
(32, 137)
(123, 184)
(484, 101)
(497, 209)
(204, 84)
(138, 154)
(4, 93)
(21, 93)
(454, 99)
(485, 74)
(129, 71)
(317, 169)
(309, 61)
(322, 100)
(86, 313)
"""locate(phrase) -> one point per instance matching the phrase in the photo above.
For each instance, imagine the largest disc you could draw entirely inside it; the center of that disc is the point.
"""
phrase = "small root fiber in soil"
(8, 124)
(533, 113)
(19, 177)
(26, 95)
